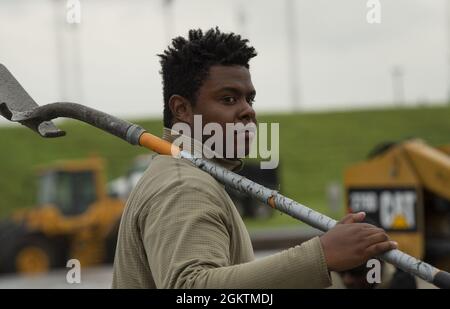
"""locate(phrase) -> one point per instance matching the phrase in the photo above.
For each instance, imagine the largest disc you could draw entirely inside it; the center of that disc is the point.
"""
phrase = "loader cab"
(74, 219)
(70, 186)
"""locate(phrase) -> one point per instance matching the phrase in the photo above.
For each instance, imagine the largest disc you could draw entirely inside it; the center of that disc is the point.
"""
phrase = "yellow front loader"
(405, 189)
(73, 219)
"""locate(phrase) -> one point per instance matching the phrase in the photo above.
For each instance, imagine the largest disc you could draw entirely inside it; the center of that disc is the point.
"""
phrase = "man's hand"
(353, 218)
(351, 243)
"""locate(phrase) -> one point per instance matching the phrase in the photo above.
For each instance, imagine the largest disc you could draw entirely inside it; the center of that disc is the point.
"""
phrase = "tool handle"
(442, 280)
(113, 125)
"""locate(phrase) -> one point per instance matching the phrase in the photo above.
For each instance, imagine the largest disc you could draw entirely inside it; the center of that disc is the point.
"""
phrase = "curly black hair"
(185, 64)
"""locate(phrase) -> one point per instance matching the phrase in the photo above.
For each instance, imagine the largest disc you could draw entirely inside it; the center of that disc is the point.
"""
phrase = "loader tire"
(32, 255)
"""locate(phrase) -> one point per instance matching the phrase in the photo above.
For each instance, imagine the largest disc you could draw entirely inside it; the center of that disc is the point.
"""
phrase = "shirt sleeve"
(187, 243)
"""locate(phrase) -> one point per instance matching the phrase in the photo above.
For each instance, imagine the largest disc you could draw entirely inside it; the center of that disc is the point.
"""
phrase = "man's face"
(226, 97)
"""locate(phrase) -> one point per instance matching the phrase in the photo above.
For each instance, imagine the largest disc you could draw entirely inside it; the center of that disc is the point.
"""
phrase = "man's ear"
(181, 109)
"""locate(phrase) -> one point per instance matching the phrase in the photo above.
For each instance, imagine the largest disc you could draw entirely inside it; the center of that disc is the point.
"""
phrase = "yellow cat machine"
(74, 219)
(404, 188)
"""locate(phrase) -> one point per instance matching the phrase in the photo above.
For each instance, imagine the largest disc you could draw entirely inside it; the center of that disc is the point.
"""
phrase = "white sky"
(344, 62)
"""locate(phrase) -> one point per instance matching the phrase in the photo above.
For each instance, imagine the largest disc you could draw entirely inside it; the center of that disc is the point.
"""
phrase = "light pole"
(241, 19)
(398, 85)
(293, 54)
(68, 54)
(168, 19)
(447, 15)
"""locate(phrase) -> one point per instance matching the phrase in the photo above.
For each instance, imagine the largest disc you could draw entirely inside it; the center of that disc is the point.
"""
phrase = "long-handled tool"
(16, 105)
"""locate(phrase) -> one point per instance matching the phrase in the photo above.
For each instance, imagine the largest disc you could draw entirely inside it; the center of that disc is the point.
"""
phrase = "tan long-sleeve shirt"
(180, 229)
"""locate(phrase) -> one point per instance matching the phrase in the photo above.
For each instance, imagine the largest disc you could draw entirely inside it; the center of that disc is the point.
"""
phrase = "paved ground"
(264, 243)
(91, 278)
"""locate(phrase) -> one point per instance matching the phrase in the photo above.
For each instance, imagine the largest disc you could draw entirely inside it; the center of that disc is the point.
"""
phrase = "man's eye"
(250, 101)
(229, 100)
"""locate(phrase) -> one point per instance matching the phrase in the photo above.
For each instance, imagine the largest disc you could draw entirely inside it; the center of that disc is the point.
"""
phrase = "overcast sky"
(109, 61)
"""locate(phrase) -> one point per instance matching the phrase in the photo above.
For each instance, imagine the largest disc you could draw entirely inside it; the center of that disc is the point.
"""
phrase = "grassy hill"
(315, 148)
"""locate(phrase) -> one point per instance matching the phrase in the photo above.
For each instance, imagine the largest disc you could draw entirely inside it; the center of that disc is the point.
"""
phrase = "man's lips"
(249, 134)
(249, 131)
(250, 128)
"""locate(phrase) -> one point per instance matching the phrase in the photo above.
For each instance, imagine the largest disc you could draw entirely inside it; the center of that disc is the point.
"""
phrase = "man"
(180, 228)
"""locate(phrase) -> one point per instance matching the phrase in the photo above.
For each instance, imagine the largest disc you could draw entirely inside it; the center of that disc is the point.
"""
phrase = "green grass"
(315, 148)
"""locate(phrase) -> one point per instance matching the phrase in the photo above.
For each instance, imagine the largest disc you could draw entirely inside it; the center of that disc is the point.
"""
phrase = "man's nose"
(247, 113)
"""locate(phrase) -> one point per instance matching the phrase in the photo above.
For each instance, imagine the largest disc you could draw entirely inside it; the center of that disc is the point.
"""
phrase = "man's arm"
(188, 243)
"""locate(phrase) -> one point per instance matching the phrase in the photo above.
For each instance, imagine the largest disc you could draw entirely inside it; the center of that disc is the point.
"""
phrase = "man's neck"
(199, 150)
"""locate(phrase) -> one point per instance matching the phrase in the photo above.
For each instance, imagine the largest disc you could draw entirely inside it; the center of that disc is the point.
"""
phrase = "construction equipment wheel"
(34, 255)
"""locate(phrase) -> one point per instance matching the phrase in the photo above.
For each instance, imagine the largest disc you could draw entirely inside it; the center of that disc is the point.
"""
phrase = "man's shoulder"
(168, 162)
(167, 173)
(169, 182)
(164, 166)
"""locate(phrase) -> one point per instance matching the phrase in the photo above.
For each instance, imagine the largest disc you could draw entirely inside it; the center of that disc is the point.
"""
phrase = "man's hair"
(185, 64)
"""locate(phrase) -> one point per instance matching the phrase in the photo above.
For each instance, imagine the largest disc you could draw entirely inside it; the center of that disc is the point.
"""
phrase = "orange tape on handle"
(271, 202)
(158, 145)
